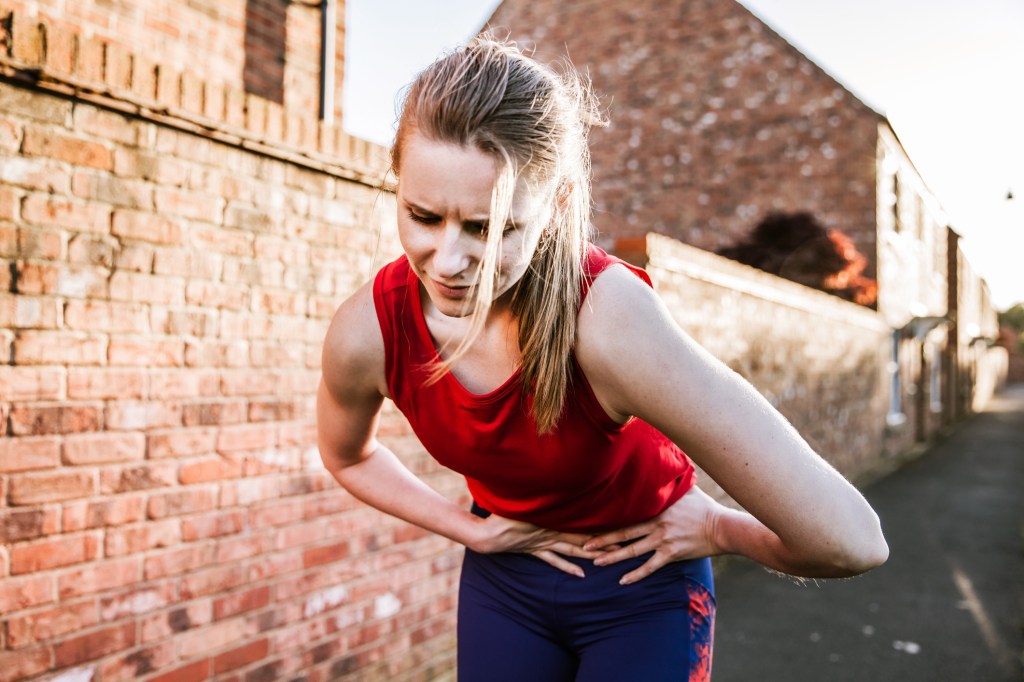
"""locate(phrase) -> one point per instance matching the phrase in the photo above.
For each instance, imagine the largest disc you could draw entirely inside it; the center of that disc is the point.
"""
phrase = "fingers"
(619, 536)
(647, 544)
(559, 563)
(652, 565)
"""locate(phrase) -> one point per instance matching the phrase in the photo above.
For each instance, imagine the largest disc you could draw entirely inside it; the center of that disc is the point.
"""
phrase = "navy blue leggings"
(521, 619)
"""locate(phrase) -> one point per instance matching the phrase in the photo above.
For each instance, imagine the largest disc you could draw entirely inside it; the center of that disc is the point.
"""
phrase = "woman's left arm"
(804, 517)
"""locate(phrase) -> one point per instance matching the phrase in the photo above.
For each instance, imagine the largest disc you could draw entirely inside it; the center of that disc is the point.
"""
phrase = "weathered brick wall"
(170, 257)
(715, 120)
(819, 360)
(267, 47)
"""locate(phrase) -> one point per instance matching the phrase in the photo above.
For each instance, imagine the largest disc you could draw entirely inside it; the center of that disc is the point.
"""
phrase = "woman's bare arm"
(806, 518)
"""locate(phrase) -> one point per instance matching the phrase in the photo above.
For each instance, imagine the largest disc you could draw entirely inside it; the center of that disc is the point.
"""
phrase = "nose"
(453, 253)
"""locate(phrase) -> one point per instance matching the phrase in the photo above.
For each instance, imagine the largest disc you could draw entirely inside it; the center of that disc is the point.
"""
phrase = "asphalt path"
(947, 606)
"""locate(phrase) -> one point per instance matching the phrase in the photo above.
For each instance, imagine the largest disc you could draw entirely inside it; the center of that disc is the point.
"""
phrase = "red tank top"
(589, 474)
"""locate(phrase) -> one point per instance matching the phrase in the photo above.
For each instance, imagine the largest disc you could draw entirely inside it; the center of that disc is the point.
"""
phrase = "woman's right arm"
(352, 390)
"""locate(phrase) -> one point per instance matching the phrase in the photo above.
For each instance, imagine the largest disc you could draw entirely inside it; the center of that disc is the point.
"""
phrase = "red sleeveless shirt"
(589, 474)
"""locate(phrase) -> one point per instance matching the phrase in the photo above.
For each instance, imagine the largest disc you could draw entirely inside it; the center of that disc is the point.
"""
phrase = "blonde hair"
(534, 121)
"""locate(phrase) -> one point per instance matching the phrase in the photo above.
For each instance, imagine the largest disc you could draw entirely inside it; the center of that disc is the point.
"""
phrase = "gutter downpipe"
(328, 46)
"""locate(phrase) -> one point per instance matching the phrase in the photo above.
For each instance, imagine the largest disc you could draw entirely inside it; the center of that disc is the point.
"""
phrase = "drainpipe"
(328, 40)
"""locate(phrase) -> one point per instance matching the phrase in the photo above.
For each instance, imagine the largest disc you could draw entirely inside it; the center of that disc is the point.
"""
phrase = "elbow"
(862, 553)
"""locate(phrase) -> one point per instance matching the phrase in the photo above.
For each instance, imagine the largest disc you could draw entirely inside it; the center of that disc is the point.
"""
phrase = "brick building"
(173, 242)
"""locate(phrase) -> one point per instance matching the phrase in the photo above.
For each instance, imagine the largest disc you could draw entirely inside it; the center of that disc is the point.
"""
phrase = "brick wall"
(270, 48)
(715, 120)
(171, 250)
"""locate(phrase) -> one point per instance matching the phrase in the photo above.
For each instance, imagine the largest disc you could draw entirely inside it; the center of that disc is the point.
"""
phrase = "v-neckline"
(425, 336)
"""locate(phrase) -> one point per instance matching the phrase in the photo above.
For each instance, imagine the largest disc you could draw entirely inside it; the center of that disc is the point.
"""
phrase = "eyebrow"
(510, 223)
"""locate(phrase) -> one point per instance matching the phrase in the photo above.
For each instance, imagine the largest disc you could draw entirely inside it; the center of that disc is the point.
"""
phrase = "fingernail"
(624, 582)
(589, 546)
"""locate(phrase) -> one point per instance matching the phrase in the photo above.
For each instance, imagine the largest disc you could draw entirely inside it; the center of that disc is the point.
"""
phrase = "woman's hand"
(499, 534)
(686, 530)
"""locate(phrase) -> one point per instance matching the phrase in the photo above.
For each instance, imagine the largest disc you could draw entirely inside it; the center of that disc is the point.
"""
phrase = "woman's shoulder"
(353, 352)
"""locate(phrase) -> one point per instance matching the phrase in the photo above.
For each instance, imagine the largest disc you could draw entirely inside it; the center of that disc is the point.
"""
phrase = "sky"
(946, 73)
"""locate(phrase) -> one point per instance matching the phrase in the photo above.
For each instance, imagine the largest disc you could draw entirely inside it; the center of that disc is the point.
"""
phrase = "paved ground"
(949, 604)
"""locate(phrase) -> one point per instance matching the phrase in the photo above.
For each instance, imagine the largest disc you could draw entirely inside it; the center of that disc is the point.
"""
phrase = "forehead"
(452, 177)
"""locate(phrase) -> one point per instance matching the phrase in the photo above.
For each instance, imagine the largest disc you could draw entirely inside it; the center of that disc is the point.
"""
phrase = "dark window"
(265, 28)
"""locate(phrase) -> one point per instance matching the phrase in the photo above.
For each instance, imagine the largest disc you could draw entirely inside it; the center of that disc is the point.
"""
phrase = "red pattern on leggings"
(702, 627)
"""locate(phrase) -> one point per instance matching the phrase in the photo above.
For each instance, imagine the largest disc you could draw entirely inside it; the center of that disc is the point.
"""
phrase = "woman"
(553, 378)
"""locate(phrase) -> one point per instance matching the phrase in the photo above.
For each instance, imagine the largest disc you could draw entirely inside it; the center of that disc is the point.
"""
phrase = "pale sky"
(946, 73)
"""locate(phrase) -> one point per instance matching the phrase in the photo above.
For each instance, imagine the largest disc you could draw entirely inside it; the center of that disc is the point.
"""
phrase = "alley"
(948, 605)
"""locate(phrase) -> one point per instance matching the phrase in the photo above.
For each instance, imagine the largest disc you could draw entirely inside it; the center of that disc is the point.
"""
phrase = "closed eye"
(424, 218)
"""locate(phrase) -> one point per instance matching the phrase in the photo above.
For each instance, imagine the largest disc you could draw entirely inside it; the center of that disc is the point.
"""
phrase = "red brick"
(243, 547)
(241, 656)
(191, 615)
(137, 601)
(29, 312)
(319, 556)
(64, 279)
(23, 593)
(106, 384)
(23, 664)
(10, 141)
(58, 348)
(51, 623)
(94, 645)
(61, 45)
(214, 413)
(92, 250)
(146, 227)
(212, 581)
(89, 65)
(211, 469)
(213, 525)
(39, 174)
(276, 513)
(109, 511)
(216, 295)
(64, 550)
(9, 203)
(126, 415)
(184, 383)
(56, 486)
(186, 558)
(145, 288)
(181, 443)
(146, 352)
(140, 477)
(222, 241)
(182, 502)
(49, 210)
(25, 454)
(104, 188)
(28, 39)
(118, 67)
(101, 448)
(187, 204)
(105, 124)
(193, 672)
(144, 77)
(142, 537)
(248, 437)
(42, 419)
(52, 144)
(42, 243)
(27, 524)
(98, 577)
(241, 602)
(137, 664)
(163, 170)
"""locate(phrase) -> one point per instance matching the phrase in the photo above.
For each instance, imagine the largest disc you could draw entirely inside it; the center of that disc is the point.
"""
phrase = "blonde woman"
(553, 378)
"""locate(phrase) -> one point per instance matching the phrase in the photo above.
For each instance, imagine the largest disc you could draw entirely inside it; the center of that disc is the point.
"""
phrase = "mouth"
(453, 292)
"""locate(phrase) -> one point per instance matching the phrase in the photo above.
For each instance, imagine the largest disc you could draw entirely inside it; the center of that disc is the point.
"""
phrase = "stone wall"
(819, 360)
(171, 257)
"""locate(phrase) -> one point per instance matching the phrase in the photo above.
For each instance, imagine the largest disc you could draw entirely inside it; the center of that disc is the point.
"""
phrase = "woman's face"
(444, 198)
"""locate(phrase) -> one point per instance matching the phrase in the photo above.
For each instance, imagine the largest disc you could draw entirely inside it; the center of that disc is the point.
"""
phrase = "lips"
(453, 292)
